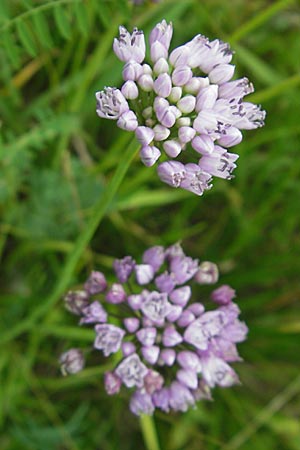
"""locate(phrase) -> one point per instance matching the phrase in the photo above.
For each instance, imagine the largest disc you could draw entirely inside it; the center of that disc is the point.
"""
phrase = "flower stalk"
(149, 432)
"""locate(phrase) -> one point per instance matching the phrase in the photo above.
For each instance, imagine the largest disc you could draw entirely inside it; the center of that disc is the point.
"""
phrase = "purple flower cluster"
(182, 101)
(171, 350)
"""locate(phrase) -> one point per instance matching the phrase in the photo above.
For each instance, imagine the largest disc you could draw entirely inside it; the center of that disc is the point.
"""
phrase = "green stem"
(149, 432)
(99, 211)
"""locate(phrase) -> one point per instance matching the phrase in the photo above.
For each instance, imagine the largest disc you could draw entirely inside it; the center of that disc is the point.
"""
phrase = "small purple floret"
(123, 268)
(96, 283)
(132, 371)
(93, 313)
(108, 338)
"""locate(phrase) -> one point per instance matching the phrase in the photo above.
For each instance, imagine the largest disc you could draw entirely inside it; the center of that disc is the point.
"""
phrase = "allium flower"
(168, 349)
(181, 105)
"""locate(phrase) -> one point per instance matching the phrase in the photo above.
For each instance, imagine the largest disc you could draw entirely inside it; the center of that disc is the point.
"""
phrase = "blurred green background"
(59, 221)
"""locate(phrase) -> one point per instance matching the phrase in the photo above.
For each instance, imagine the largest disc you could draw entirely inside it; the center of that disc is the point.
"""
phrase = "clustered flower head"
(169, 347)
(182, 105)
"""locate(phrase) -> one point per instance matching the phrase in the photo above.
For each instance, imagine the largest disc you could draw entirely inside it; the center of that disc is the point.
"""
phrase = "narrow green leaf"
(27, 4)
(259, 19)
(82, 18)
(11, 49)
(4, 12)
(62, 21)
(103, 13)
(262, 70)
(277, 89)
(42, 31)
(26, 38)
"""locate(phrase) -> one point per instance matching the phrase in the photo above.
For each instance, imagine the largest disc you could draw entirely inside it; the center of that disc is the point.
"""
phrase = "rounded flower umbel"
(181, 105)
(168, 349)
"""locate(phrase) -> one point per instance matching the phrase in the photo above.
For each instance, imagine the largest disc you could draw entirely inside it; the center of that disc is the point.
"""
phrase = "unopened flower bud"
(175, 313)
(161, 133)
(130, 90)
(141, 403)
(147, 69)
(144, 135)
(116, 294)
(196, 308)
(221, 73)
(188, 378)
(157, 51)
(186, 104)
(144, 273)
(183, 122)
(150, 354)
(160, 105)
(167, 356)
(165, 282)
(223, 295)
(132, 71)
(135, 301)
(153, 381)
(203, 144)
(96, 283)
(181, 75)
(123, 268)
(128, 121)
(147, 112)
(163, 85)
(179, 56)
(193, 86)
(175, 94)
(128, 348)
(207, 98)
(150, 123)
(145, 82)
(186, 134)
(162, 32)
(171, 337)
(147, 336)
(185, 319)
(189, 360)
(177, 113)
(76, 301)
(149, 155)
(161, 66)
(208, 273)
(181, 296)
(154, 256)
(71, 361)
(168, 119)
(93, 313)
(131, 323)
(232, 137)
(172, 148)
(112, 383)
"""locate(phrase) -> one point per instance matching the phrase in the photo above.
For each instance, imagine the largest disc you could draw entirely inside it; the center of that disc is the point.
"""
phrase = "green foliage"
(68, 205)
